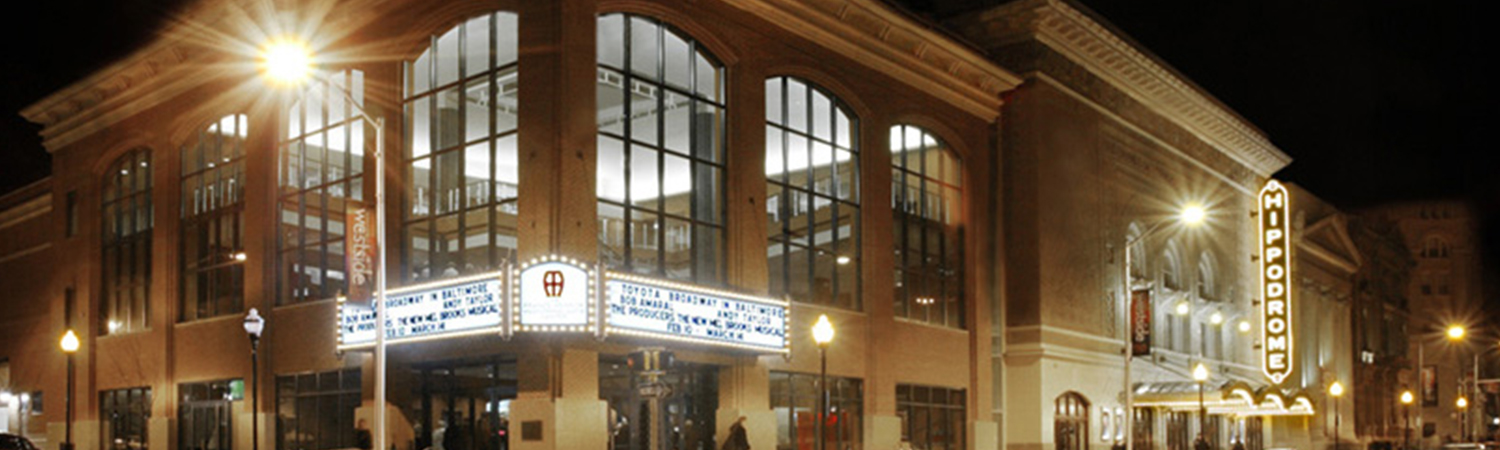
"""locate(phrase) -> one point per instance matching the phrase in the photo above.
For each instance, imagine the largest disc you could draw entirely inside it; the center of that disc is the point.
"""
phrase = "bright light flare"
(1462, 403)
(1456, 332)
(286, 61)
(1407, 398)
(1200, 373)
(1216, 318)
(69, 342)
(823, 330)
(1193, 214)
(1244, 326)
(1336, 390)
(1183, 309)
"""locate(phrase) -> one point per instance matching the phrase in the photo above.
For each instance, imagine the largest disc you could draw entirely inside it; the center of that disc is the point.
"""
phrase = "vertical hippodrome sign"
(1275, 282)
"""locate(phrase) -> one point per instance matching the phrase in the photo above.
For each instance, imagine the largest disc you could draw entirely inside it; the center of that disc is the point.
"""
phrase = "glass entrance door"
(463, 406)
(687, 410)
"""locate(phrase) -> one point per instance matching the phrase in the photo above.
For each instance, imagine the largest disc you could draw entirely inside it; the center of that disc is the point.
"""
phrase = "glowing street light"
(1456, 332)
(1406, 400)
(1200, 374)
(1193, 215)
(1336, 390)
(69, 345)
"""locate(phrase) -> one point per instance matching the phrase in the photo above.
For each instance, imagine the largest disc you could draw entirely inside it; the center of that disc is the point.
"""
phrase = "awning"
(1234, 398)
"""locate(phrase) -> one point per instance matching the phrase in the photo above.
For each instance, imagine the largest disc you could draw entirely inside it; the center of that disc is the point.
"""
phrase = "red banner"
(360, 251)
(1140, 323)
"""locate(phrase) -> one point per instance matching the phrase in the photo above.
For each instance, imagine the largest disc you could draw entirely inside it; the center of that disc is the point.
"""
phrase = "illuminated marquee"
(460, 307)
(661, 309)
(1275, 282)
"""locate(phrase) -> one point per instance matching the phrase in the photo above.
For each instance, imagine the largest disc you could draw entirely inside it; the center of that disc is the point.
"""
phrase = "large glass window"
(213, 204)
(661, 151)
(126, 244)
(321, 166)
(932, 418)
(812, 195)
(123, 414)
(794, 399)
(315, 411)
(461, 109)
(205, 415)
(927, 199)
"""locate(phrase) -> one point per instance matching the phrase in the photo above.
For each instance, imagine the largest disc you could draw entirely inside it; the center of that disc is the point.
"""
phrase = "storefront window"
(213, 203)
(124, 413)
(660, 151)
(927, 199)
(794, 399)
(812, 195)
(315, 411)
(321, 166)
(932, 418)
(461, 111)
(126, 244)
(205, 415)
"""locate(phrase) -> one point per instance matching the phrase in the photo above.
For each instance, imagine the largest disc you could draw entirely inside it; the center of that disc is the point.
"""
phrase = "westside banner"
(1140, 323)
(360, 250)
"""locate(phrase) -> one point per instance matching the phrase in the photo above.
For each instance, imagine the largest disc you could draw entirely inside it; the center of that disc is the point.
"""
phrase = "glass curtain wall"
(128, 220)
(321, 166)
(660, 151)
(932, 418)
(315, 411)
(794, 400)
(461, 109)
(927, 199)
(812, 195)
(123, 414)
(213, 204)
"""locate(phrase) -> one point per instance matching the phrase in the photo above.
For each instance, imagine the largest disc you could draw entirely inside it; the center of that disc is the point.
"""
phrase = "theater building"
(576, 191)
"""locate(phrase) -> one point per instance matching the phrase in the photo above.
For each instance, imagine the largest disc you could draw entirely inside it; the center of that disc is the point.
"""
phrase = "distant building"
(1380, 336)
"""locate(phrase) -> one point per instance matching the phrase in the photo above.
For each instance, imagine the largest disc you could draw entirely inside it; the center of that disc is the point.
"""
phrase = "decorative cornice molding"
(886, 41)
(1104, 53)
(35, 207)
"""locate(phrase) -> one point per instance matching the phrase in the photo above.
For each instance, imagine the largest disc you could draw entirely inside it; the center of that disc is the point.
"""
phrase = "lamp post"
(1463, 411)
(69, 346)
(254, 324)
(823, 335)
(1336, 390)
(1190, 215)
(289, 62)
(1406, 400)
(1200, 375)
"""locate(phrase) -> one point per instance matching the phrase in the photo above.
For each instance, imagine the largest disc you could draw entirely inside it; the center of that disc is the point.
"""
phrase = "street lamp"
(1463, 411)
(289, 62)
(1200, 374)
(1456, 332)
(823, 335)
(1406, 400)
(254, 325)
(69, 346)
(1191, 215)
(1336, 390)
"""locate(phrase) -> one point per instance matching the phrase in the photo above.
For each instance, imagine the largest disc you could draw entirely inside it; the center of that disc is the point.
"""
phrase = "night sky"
(1374, 101)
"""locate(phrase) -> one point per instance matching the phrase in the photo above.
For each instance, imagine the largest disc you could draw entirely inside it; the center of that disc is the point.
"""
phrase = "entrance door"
(1071, 422)
(464, 406)
(687, 411)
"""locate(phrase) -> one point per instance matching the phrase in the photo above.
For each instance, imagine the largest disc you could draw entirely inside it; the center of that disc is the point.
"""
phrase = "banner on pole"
(1140, 323)
(360, 251)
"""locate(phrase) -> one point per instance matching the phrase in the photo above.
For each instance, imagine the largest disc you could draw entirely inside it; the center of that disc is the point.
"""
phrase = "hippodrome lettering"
(1275, 275)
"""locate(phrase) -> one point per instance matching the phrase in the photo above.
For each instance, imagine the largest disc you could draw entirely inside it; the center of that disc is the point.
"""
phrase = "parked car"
(13, 442)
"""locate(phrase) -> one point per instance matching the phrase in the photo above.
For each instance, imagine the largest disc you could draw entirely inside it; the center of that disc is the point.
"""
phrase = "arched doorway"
(1071, 421)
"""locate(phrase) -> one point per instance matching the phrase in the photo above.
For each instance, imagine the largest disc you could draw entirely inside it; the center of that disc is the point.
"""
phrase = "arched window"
(461, 111)
(927, 198)
(1070, 421)
(1434, 247)
(1206, 288)
(1139, 259)
(128, 219)
(812, 194)
(321, 166)
(213, 204)
(1171, 267)
(661, 151)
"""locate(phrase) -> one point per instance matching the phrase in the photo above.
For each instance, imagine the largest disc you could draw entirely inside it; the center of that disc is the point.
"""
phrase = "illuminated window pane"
(927, 199)
(127, 222)
(212, 248)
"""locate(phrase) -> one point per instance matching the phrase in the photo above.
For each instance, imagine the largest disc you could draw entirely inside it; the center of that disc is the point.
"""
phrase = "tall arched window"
(927, 198)
(661, 151)
(213, 204)
(1070, 421)
(1139, 260)
(321, 167)
(1207, 289)
(128, 219)
(812, 195)
(461, 112)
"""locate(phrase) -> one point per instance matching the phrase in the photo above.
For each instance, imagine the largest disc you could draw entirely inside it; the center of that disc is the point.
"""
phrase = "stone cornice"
(887, 41)
(1104, 53)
